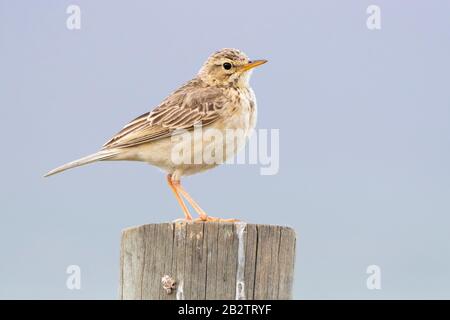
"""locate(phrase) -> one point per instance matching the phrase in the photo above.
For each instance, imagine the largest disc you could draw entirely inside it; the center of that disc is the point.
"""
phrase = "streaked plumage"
(216, 98)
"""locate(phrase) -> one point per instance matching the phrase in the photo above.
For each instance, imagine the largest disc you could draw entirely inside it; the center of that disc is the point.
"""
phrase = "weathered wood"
(207, 261)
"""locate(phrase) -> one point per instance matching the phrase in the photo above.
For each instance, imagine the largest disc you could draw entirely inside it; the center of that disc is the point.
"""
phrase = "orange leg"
(187, 214)
(197, 208)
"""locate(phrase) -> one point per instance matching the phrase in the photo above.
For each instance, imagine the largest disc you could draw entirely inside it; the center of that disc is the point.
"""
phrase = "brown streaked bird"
(218, 98)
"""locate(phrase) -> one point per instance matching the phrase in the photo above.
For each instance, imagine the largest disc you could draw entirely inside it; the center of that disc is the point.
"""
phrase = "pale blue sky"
(364, 137)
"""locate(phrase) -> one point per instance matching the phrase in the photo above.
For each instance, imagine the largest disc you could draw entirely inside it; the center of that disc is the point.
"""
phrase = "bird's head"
(228, 67)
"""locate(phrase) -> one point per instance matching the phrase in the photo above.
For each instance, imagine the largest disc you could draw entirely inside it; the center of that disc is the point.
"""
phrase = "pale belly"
(203, 148)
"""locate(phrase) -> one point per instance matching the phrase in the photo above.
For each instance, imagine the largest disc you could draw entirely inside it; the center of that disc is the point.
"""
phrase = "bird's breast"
(242, 110)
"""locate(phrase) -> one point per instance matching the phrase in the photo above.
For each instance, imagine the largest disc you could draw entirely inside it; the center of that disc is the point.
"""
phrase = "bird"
(218, 98)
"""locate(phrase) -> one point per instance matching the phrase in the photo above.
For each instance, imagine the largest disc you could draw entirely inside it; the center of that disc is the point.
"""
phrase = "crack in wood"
(204, 260)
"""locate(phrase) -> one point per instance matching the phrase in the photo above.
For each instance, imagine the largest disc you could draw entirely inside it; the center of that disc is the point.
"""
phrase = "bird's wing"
(188, 106)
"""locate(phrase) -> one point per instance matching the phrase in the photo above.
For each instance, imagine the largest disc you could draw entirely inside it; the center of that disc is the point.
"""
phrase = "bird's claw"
(214, 219)
(204, 219)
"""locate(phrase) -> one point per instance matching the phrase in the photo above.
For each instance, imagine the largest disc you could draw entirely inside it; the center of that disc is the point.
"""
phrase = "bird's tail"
(98, 156)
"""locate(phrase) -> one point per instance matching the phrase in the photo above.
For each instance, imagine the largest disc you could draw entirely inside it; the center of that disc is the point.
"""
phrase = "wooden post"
(207, 261)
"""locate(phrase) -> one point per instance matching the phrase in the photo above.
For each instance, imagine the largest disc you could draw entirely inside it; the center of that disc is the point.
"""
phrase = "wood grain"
(203, 259)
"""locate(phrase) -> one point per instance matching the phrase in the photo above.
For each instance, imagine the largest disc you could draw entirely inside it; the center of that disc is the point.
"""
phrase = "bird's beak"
(252, 64)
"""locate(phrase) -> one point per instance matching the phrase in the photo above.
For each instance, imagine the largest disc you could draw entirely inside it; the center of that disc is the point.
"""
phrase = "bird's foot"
(214, 219)
(204, 219)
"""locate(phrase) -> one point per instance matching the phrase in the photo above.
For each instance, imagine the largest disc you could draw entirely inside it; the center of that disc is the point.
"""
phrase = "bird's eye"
(227, 66)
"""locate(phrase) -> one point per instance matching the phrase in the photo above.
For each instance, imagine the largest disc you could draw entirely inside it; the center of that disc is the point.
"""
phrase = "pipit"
(218, 98)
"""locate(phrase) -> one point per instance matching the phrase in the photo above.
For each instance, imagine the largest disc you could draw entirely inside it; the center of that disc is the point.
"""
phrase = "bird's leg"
(197, 208)
(177, 195)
